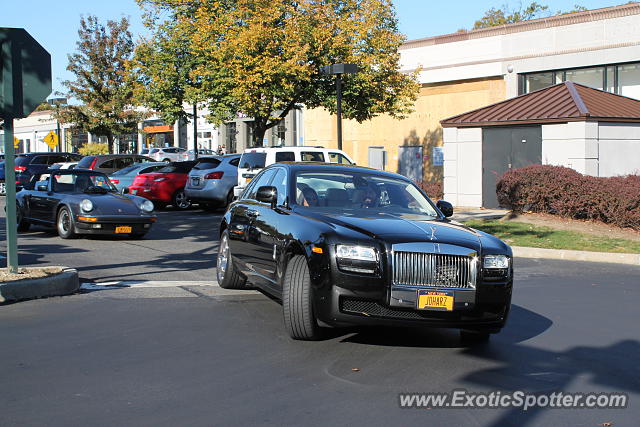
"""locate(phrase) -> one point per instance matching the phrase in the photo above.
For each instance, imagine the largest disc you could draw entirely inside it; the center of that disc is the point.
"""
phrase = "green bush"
(94, 148)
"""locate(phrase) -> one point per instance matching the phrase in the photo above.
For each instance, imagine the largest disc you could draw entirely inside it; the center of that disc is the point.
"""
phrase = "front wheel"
(180, 200)
(65, 224)
(228, 276)
(297, 301)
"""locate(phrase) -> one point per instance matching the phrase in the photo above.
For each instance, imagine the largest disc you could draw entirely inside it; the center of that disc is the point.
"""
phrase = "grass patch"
(523, 234)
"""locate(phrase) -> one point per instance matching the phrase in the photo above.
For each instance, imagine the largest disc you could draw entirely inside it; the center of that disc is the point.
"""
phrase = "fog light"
(96, 225)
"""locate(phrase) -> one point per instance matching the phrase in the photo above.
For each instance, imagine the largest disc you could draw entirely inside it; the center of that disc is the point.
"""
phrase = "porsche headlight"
(495, 261)
(146, 206)
(86, 205)
(357, 259)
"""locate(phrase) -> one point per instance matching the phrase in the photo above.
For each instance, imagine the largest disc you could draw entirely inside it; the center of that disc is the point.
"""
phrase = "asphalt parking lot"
(189, 354)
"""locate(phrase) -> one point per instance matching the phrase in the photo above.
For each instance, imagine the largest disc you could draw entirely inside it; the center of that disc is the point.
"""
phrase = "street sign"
(51, 140)
(16, 142)
(27, 66)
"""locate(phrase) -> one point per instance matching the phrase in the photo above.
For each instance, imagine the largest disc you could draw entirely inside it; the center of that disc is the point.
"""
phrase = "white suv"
(166, 154)
(253, 160)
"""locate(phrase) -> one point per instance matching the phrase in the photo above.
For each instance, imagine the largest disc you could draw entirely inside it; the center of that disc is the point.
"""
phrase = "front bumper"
(108, 225)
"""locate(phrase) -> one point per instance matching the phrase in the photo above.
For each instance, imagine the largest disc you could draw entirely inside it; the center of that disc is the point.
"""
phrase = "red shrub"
(433, 189)
(565, 192)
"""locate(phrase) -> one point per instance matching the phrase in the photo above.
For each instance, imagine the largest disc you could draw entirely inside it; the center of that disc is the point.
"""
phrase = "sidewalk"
(462, 213)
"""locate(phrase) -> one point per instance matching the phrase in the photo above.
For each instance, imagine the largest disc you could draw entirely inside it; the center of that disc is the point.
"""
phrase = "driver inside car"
(307, 196)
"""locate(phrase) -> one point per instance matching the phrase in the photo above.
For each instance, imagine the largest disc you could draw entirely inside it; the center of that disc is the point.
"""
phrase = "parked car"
(345, 245)
(253, 160)
(202, 152)
(29, 164)
(109, 163)
(124, 177)
(211, 181)
(64, 165)
(165, 186)
(77, 201)
(166, 154)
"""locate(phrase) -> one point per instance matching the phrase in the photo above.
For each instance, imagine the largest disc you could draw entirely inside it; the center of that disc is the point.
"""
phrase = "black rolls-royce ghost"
(345, 245)
(79, 201)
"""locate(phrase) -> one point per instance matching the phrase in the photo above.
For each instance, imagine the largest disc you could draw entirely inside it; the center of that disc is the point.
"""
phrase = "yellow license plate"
(123, 229)
(435, 300)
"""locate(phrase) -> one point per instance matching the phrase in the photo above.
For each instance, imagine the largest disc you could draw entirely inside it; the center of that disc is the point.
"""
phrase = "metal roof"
(560, 103)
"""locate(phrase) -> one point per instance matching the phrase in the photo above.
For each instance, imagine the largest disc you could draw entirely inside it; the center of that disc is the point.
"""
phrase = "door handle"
(252, 213)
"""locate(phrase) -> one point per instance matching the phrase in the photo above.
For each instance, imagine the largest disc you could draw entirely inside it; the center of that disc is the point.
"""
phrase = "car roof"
(333, 167)
(267, 149)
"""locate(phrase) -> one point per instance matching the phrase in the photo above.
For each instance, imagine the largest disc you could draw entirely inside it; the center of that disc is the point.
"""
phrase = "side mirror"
(267, 194)
(125, 190)
(445, 207)
(42, 186)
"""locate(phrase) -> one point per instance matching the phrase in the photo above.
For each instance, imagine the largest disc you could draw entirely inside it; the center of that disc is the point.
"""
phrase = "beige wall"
(436, 102)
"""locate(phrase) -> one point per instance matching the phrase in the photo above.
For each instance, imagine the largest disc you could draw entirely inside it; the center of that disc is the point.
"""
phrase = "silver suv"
(211, 181)
(166, 154)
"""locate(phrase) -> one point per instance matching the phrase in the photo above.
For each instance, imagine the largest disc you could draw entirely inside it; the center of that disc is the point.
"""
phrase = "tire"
(166, 160)
(297, 301)
(64, 224)
(180, 200)
(23, 224)
(227, 275)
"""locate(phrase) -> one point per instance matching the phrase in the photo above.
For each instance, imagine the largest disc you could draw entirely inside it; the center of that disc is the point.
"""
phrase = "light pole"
(339, 70)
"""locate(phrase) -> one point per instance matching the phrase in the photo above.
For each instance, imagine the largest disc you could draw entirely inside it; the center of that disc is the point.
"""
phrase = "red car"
(165, 186)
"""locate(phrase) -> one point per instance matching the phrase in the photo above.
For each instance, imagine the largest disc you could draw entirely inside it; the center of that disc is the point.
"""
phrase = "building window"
(231, 138)
(278, 133)
(629, 80)
(623, 79)
(592, 77)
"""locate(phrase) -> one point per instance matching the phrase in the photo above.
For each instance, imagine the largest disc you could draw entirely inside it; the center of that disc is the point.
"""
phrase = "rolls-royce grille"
(433, 270)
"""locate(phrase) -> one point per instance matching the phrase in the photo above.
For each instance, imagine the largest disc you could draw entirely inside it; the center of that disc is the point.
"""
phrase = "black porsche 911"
(77, 201)
(344, 245)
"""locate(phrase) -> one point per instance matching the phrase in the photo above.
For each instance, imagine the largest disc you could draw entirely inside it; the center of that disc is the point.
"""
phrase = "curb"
(64, 283)
(570, 255)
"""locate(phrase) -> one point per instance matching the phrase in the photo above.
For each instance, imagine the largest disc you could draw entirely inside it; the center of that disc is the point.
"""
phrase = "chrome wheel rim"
(223, 258)
(181, 200)
(64, 223)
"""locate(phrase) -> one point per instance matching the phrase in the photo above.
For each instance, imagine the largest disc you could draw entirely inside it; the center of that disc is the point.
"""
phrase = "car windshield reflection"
(81, 183)
(348, 191)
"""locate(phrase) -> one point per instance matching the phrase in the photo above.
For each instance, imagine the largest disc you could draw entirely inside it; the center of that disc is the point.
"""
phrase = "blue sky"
(55, 23)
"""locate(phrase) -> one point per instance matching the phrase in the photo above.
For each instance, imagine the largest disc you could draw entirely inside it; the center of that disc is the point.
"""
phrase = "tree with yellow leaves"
(262, 58)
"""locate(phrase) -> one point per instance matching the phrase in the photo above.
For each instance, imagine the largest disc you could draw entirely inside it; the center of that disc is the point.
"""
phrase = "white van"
(253, 160)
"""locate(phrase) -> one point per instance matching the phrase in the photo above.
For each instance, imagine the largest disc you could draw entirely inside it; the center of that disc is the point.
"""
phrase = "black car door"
(242, 224)
(38, 199)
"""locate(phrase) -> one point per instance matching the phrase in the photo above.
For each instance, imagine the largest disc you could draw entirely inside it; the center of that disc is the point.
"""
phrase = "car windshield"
(126, 170)
(360, 191)
(253, 160)
(207, 164)
(79, 183)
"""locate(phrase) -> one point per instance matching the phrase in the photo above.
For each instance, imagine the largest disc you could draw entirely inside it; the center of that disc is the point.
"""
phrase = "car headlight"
(144, 205)
(86, 205)
(495, 261)
(357, 259)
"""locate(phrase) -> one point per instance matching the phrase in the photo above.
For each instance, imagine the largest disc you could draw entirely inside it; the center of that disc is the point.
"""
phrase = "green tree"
(100, 83)
(263, 58)
(505, 15)
(494, 17)
(161, 71)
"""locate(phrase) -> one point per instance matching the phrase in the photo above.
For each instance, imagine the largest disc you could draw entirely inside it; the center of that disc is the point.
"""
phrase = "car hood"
(400, 228)
(110, 204)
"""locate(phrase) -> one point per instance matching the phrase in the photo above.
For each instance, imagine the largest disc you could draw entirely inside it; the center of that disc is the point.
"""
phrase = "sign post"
(25, 81)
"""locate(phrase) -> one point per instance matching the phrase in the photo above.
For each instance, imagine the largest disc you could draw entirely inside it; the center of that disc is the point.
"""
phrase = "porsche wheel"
(64, 224)
(180, 200)
(228, 276)
(23, 224)
(297, 301)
